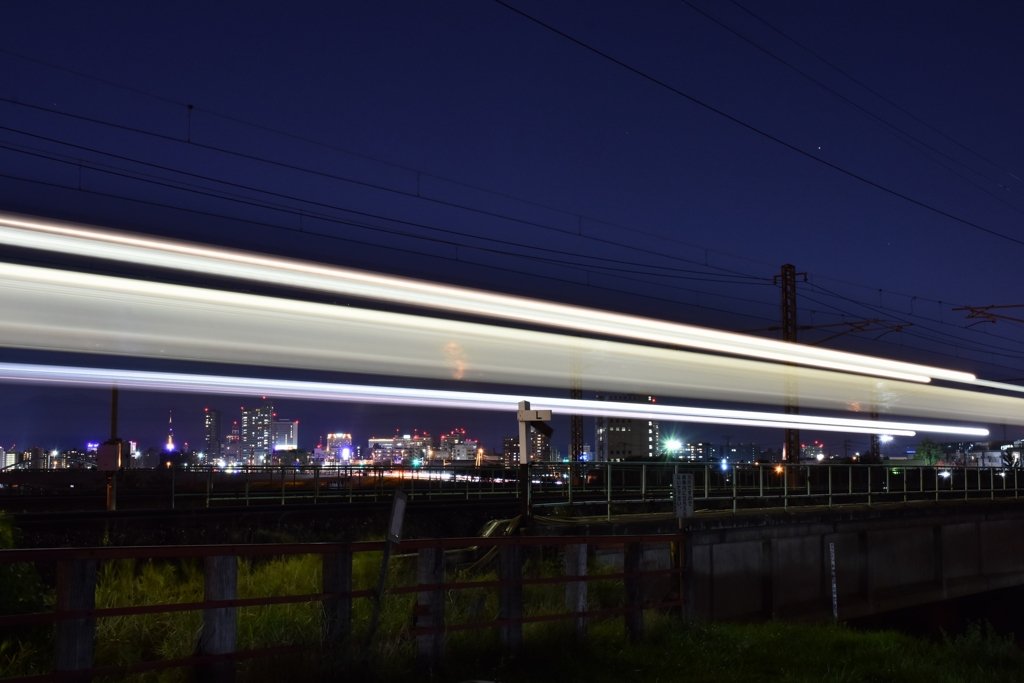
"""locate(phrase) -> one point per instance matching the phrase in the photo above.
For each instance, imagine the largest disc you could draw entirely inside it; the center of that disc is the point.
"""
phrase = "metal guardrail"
(75, 613)
(733, 486)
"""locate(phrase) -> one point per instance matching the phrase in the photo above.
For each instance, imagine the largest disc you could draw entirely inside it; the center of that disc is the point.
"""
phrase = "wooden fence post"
(337, 578)
(76, 590)
(220, 624)
(634, 598)
(576, 591)
(510, 597)
(430, 607)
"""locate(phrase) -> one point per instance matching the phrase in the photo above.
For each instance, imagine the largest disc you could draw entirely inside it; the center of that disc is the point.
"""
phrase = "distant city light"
(673, 445)
(725, 465)
(885, 438)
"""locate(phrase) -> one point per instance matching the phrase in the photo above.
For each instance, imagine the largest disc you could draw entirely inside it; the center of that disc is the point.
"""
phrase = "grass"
(788, 652)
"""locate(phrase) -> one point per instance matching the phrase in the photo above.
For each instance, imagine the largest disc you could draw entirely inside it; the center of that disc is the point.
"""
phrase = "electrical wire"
(762, 133)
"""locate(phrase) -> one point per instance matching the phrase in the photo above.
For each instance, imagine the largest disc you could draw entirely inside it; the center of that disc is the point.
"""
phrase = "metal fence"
(75, 611)
(543, 485)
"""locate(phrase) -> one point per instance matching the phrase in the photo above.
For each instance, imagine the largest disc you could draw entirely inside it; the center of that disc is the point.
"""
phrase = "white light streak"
(69, 238)
(56, 310)
(323, 391)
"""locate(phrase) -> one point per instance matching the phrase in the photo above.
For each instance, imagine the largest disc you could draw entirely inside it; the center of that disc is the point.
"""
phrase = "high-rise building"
(510, 451)
(540, 447)
(169, 446)
(233, 444)
(286, 435)
(339, 446)
(8, 460)
(256, 435)
(625, 438)
(211, 443)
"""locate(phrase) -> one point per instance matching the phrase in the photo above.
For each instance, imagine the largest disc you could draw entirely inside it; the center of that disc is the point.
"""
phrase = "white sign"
(682, 494)
(397, 516)
(533, 415)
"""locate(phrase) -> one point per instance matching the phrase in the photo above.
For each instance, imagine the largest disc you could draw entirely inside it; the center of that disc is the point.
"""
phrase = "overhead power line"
(850, 174)
(188, 107)
(875, 92)
(904, 136)
(375, 186)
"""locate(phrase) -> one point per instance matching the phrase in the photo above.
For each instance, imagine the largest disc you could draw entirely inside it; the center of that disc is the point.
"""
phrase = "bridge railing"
(75, 613)
(736, 486)
(717, 486)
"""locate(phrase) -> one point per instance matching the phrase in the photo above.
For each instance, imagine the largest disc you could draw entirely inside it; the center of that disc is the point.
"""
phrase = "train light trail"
(433, 398)
(56, 310)
(38, 233)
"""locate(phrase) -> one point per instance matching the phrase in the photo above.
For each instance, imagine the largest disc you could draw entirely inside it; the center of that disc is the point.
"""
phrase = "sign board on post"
(533, 415)
(398, 504)
(682, 494)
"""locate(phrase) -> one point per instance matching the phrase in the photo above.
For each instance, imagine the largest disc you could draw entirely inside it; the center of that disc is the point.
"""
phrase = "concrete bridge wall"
(886, 559)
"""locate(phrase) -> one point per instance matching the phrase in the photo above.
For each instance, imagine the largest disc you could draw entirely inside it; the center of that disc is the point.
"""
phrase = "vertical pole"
(734, 472)
(572, 474)
(510, 598)
(904, 473)
(219, 623)
(634, 590)
(707, 482)
(283, 482)
(246, 485)
(75, 638)
(316, 484)
(209, 485)
(430, 607)
(760, 483)
(608, 489)
(576, 591)
(172, 488)
(849, 480)
(643, 482)
(785, 487)
(787, 279)
(869, 485)
(829, 485)
(337, 578)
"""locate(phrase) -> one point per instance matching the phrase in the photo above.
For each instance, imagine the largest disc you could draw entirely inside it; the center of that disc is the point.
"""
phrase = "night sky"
(463, 142)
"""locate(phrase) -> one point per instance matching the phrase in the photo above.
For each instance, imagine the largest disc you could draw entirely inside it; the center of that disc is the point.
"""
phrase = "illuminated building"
(510, 451)
(339, 446)
(812, 451)
(169, 446)
(407, 448)
(233, 444)
(627, 438)
(211, 443)
(286, 435)
(256, 433)
(455, 446)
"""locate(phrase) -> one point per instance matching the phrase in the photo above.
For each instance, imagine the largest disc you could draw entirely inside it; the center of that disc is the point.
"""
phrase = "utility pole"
(874, 450)
(787, 279)
(575, 421)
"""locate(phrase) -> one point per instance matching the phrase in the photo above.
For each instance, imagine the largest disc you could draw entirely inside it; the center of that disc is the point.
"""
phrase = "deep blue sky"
(437, 97)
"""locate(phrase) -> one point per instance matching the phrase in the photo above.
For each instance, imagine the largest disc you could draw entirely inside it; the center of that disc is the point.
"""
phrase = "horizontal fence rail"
(542, 485)
(75, 613)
